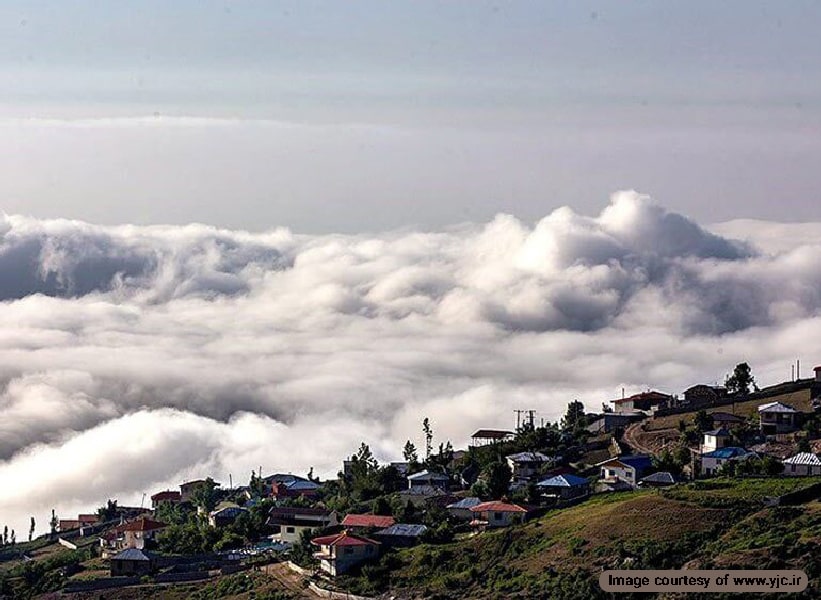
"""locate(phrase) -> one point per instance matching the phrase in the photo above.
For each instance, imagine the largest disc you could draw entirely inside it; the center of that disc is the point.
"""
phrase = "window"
(348, 551)
(289, 530)
(497, 516)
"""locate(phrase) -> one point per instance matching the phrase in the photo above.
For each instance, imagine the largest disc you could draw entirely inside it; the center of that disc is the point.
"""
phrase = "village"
(307, 533)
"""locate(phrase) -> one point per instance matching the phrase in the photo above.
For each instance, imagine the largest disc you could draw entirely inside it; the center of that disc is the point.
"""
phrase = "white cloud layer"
(135, 357)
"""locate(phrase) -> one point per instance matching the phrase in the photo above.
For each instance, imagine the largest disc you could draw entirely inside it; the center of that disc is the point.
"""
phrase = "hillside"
(559, 555)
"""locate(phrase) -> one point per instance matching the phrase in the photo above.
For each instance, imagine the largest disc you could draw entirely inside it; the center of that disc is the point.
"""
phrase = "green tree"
(108, 512)
(410, 454)
(32, 526)
(53, 523)
(741, 382)
(497, 477)
(703, 421)
(574, 420)
(428, 431)
(204, 496)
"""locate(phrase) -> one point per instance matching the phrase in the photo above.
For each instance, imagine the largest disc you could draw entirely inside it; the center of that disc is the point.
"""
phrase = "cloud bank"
(135, 357)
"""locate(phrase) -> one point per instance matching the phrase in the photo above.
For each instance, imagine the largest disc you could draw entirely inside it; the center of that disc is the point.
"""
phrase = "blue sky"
(711, 108)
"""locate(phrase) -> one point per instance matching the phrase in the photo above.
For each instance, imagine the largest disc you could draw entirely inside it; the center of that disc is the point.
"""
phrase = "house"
(711, 462)
(429, 478)
(726, 420)
(776, 417)
(132, 561)
(338, 553)
(141, 533)
(225, 514)
(524, 466)
(803, 464)
(461, 509)
(612, 421)
(565, 487)
(166, 496)
(80, 521)
(496, 513)
(188, 488)
(628, 469)
(715, 439)
(660, 479)
(420, 495)
(295, 488)
(289, 522)
(361, 522)
(647, 401)
(703, 395)
(400, 535)
(485, 437)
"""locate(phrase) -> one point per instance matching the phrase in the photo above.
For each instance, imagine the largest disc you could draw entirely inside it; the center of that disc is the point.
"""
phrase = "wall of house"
(802, 470)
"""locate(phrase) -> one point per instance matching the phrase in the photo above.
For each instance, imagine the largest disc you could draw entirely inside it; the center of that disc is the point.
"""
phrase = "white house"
(715, 439)
(624, 469)
(428, 478)
(493, 514)
(292, 521)
(803, 464)
(711, 462)
(526, 465)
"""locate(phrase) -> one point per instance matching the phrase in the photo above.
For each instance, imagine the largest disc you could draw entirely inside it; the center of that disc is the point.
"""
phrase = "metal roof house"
(660, 479)
(428, 478)
(565, 487)
(776, 418)
(401, 535)
(711, 462)
(803, 464)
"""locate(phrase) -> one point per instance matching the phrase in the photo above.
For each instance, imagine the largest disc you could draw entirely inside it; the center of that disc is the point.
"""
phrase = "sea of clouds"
(133, 358)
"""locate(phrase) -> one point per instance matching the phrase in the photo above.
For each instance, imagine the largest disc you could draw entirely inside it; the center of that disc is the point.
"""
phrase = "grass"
(711, 522)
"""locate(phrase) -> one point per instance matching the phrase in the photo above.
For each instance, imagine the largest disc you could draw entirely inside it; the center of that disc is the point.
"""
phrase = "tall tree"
(574, 419)
(497, 476)
(741, 382)
(409, 453)
(53, 523)
(204, 496)
(5, 535)
(31, 529)
(428, 431)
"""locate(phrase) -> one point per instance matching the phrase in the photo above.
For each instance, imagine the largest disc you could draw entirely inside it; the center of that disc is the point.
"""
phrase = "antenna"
(792, 372)
(798, 368)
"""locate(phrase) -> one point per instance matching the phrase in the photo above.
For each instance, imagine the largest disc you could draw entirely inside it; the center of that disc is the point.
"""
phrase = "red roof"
(343, 539)
(368, 521)
(143, 524)
(88, 518)
(498, 506)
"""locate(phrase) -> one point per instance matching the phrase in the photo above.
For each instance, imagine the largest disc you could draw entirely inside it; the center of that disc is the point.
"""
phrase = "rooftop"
(428, 475)
(143, 524)
(728, 452)
(498, 506)
(133, 554)
(564, 481)
(344, 539)
(465, 503)
(776, 407)
(403, 530)
(528, 457)
(379, 521)
(492, 434)
(804, 458)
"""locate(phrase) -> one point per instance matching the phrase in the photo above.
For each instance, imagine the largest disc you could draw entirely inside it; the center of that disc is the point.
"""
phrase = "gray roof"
(466, 503)
(721, 431)
(569, 480)
(528, 457)
(423, 490)
(132, 554)
(403, 530)
(776, 407)
(660, 477)
(804, 458)
(428, 475)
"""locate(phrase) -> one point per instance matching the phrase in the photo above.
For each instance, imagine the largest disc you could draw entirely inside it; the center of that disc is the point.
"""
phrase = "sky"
(238, 234)
(370, 116)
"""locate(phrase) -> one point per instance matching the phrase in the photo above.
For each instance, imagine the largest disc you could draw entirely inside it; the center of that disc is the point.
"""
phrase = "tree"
(741, 382)
(204, 496)
(31, 529)
(703, 421)
(5, 535)
(409, 453)
(804, 445)
(428, 431)
(574, 419)
(497, 476)
(53, 523)
(13, 537)
(109, 511)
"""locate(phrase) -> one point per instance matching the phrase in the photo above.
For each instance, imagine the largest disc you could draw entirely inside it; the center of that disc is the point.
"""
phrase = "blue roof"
(728, 452)
(568, 480)
(404, 530)
(466, 503)
(639, 463)
(300, 484)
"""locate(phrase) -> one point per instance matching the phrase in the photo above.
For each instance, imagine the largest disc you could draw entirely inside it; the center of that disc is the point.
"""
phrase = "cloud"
(135, 357)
